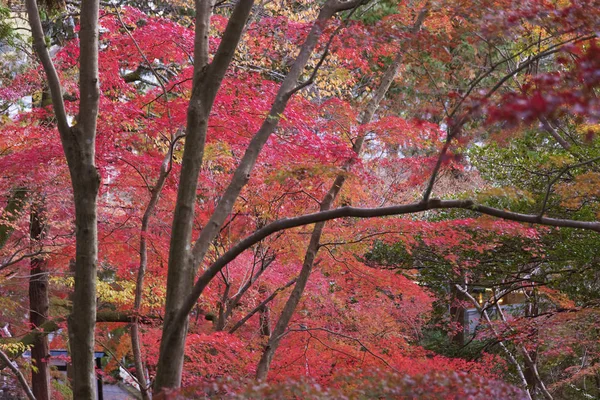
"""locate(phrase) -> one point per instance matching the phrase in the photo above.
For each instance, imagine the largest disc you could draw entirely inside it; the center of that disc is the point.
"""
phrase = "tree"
(78, 142)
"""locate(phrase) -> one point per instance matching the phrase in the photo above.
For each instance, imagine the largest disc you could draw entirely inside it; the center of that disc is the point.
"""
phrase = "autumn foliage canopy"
(392, 199)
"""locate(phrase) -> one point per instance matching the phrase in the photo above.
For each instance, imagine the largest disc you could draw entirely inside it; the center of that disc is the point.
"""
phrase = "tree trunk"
(224, 306)
(180, 275)
(78, 144)
(82, 321)
(326, 204)
(38, 307)
(207, 80)
(156, 190)
(265, 321)
(86, 181)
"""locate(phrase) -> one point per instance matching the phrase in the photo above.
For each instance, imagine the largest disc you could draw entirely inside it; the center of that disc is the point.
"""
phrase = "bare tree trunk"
(38, 306)
(156, 190)
(78, 144)
(327, 202)
(224, 306)
(180, 276)
(265, 321)
(82, 320)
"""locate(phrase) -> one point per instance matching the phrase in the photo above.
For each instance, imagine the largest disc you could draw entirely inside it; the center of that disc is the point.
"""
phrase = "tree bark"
(156, 190)
(206, 82)
(224, 305)
(38, 306)
(265, 321)
(78, 144)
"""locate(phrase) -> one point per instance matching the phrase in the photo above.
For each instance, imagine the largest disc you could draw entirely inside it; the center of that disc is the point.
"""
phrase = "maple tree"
(223, 137)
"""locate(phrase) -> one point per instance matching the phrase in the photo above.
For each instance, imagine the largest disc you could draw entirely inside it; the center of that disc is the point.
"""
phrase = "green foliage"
(572, 265)
(521, 172)
(61, 389)
(440, 342)
(377, 11)
(7, 31)
(11, 212)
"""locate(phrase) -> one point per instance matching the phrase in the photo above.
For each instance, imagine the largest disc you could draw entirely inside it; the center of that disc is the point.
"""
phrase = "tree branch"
(18, 374)
(242, 173)
(511, 357)
(39, 43)
(261, 305)
(433, 204)
(557, 177)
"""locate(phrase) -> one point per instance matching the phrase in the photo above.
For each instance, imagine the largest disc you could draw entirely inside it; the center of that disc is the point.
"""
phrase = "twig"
(366, 349)
(261, 305)
(158, 77)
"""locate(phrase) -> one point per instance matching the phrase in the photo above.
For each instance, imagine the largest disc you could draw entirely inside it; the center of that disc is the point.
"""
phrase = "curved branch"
(356, 212)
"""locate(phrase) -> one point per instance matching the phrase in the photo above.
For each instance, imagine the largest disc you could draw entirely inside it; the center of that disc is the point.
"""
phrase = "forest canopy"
(296, 199)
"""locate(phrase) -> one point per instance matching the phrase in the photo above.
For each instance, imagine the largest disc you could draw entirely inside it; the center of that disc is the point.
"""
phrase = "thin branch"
(146, 183)
(325, 53)
(511, 357)
(158, 77)
(12, 260)
(558, 176)
(155, 191)
(366, 349)
(261, 305)
(438, 164)
(455, 126)
(18, 374)
(550, 50)
(529, 361)
(546, 124)
(264, 264)
(537, 57)
(131, 375)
